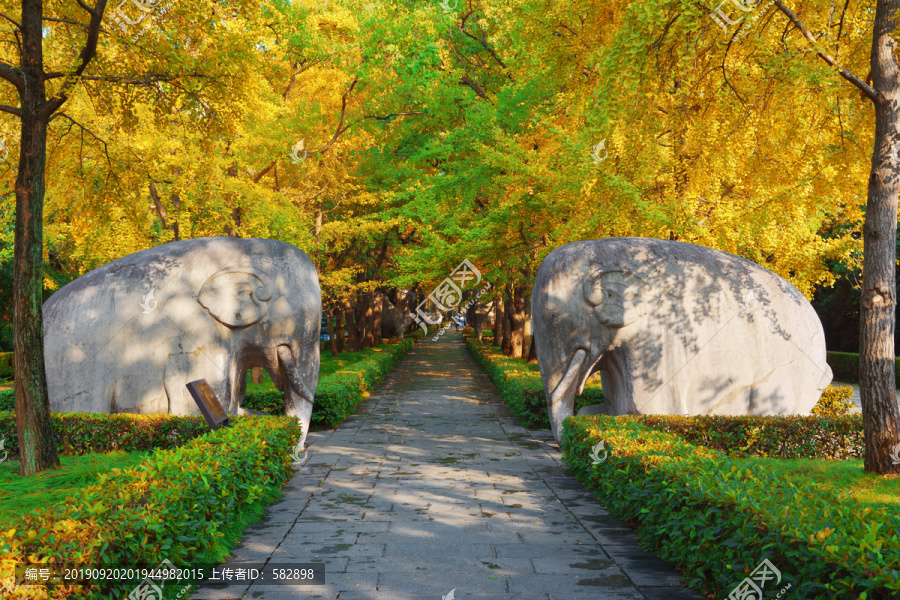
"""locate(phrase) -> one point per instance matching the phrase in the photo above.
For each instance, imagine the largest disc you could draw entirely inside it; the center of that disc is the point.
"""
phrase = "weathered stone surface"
(128, 336)
(674, 328)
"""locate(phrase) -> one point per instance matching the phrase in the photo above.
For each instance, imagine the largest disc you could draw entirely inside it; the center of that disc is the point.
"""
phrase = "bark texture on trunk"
(256, 375)
(37, 448)
(352, 328)
(878, 301)
(377, 305)
(498, 322)
(332, 340)
(532, 352)
(515, 315)
(366, 318)
(339, 328)
(506, 341)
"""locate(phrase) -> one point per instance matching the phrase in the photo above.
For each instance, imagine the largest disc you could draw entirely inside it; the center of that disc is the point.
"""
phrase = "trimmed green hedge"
(520, 387)
(171, 506)
(775, 437)
(716, 521)
(82, 433)
(845, 366)
(338, 394)
(7, 368)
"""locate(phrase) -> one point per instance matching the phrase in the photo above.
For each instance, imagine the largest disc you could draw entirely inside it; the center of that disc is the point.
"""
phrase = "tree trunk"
(332, 340)
(532, 352)
(339, 328)
(529, 330)
(352, 328)
(377, 304)
(881, 421)
(506, 343)
(498, 322)
(37, 447)
(364, 320)
(256, 375)
(515, 315)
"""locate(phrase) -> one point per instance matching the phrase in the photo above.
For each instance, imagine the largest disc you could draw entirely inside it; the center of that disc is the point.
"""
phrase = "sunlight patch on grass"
(20, 495)
(843, 477)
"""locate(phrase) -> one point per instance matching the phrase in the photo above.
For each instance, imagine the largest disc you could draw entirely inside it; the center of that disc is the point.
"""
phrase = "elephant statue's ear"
(615, 296)
(237, 296)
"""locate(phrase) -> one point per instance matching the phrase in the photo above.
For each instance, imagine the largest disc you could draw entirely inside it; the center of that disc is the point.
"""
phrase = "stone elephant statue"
(128, 336)
(673, 328)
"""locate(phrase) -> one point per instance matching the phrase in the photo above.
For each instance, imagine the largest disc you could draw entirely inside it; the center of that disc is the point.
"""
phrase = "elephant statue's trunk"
(298, 400)
(562, 398)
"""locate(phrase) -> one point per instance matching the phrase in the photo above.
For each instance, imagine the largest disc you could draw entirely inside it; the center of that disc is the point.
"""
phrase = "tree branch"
(392, 115)
(84, 57)
(12, 75)
(5, 16)
(87, 131)
(867, 90)
(340, 128)
(11, 110)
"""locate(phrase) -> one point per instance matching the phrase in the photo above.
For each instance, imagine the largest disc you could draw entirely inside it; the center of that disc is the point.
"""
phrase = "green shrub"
(716, 520)
(7, 400)
(83, 433)
(7, 367)
(338, 394)
(834, 402)
(520, 386)
(845, 366)
(171, 506)
(777, 437)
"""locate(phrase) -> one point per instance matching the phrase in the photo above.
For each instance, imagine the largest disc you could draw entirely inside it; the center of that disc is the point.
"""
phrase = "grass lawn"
(328, 365)
(19, 495)
(843, 477)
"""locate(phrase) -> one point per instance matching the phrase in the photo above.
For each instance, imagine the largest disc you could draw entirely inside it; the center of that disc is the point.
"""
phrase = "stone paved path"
(433, 486)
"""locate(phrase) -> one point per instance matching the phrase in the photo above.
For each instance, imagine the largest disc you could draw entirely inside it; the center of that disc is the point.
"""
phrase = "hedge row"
(171, 506)
(82, 433)
(521, 388)
(845, 366)
(338, 394)
(7, 368)
(775, 437)
(716, 520)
